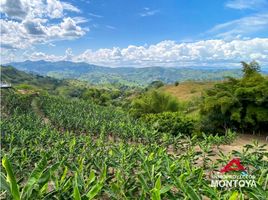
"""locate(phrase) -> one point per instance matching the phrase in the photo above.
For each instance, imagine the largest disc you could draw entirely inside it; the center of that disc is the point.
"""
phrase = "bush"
(170, 122)
(155, 84)
(154, 102)
(176, 83)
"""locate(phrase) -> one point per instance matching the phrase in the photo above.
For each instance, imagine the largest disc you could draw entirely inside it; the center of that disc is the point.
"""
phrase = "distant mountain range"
(123, 75)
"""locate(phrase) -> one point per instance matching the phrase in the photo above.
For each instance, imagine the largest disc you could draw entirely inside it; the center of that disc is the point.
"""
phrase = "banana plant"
(36, 185)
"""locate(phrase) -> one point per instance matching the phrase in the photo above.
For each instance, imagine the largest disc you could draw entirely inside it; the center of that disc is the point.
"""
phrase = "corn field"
(84, 151)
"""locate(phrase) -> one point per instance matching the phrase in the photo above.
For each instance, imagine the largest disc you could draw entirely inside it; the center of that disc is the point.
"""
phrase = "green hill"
(188, 90)
(123, 75)
(16, 77)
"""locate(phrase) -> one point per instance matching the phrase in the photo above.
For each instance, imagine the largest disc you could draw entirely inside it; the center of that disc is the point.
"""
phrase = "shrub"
(155, 84)
(154, 102)
(25, 87)
(170, 122)
(176, 83)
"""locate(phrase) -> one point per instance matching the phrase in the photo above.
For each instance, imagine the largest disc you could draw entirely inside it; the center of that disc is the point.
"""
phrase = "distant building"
(5, 85)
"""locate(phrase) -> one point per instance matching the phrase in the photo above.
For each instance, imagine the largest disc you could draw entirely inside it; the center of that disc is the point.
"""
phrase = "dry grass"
(187, 90)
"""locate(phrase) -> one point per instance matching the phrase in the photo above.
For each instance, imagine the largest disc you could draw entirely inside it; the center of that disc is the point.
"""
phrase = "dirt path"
(237, 145)
(37, 110)
(241, 141)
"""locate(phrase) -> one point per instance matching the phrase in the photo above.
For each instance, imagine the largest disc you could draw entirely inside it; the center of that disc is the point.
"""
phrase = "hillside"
(28, 82)
(187, 90)
(15, 77)
(123, 75)
(82, 144)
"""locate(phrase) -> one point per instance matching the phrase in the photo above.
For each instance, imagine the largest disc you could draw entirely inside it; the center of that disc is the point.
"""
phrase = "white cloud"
(148, 12)
(95, 15)
(171, 54)
(70, 7)
(33, 24)
(20, 9)
(110, 27)
(69, 29)
(7, 56)
(35, 31)
(80, 20)
(42, 56)
(14, 8)
(240, 27)
(54, 8)
(246, 4)
(68, 54)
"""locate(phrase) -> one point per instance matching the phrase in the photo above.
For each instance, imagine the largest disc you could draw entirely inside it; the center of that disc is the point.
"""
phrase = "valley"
(65, 138)
(130, 76)
(134, 100)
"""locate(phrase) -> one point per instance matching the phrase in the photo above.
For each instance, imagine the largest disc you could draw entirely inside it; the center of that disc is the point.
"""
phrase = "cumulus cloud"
(68, 54)
(20, 9)
(34, 27)
(29, 32)
(172, 54)
(7, 56)
(14, 8)
(33, 23)
(70, 29)
(42, 56)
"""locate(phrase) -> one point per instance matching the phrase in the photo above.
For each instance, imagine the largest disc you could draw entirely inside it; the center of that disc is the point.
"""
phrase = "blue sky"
(136, 33)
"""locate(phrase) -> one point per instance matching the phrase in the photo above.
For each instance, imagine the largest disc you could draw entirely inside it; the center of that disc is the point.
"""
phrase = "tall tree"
(237, 104)
(250, 68)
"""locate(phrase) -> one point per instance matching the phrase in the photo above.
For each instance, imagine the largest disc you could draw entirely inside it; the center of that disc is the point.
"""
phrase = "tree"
(237, 104)
(176, 83)
(154, 102)
(250, 68)
(155, 85)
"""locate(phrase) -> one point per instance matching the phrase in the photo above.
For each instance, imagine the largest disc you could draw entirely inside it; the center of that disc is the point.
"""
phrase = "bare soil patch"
(241, 141)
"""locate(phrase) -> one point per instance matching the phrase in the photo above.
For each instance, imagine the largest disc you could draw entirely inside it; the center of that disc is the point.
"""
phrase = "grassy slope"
(187, 90)
(16, 77)
(19, 78)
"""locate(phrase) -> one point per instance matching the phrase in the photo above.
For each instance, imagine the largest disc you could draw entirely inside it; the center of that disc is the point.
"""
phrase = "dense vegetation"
(130, 76)
(154, 102)
(239, 104)
(173, 123)
(42, 161)
(33, 83)
(79, 141)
